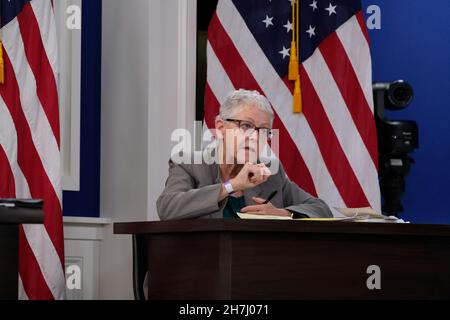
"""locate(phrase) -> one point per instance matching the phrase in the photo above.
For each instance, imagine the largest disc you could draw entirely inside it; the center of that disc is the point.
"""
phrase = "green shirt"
(233, 205)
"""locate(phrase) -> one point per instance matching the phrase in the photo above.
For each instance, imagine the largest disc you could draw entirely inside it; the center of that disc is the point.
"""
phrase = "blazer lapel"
(215, 174)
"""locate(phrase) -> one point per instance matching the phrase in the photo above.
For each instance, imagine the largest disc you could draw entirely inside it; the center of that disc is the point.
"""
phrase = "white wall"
(148, 89)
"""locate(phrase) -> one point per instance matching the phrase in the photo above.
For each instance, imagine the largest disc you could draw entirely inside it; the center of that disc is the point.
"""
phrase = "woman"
(236, 181)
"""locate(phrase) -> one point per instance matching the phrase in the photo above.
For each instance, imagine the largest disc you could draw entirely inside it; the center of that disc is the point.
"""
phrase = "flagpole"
(297, 23)
(293, 60)
(297, 96)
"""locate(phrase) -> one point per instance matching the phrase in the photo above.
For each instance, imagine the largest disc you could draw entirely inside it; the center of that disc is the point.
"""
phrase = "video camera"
(396, 139)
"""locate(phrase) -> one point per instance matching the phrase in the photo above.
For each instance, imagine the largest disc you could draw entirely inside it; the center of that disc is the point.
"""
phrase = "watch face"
(229, 187)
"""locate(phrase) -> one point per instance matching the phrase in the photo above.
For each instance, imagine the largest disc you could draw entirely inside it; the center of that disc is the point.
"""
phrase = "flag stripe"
(22, 293)
(212, 106)
(345, 78)
(41, 132)
(36, 235)
(43, 12)
(362, 25)
(281, 98)
(8, 139)
(7, 187)
(47, 258)
(230, 59)
(30, 137)
(10, 191)
(357, 48)
(335, 159)
(33, 282)
(218, 79)
(40, 66)
(29, 161)
(349, 139)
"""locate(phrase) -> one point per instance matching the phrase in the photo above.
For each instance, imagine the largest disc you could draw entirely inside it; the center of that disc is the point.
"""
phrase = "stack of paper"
(348, 214)
(261, 217)
(269, 217)
(367, 214)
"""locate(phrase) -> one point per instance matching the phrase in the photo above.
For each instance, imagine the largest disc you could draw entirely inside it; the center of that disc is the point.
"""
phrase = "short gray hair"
(237, 99)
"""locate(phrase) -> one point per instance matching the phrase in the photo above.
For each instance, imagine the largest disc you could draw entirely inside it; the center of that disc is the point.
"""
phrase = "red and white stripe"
(29, 138)
(330, 149)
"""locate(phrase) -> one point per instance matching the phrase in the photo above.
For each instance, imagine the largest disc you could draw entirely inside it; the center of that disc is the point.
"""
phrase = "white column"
(172, 77)
(148, 90)
(124, 136)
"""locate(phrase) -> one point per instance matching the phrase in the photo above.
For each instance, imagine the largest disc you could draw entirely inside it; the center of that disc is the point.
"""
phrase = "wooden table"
(260, 259)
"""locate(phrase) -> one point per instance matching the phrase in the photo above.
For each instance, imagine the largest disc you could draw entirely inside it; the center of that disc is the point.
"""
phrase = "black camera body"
(396, 139)
(397, 136)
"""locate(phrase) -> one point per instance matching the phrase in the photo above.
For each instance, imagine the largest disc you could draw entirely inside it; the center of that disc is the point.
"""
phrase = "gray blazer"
(192, 191)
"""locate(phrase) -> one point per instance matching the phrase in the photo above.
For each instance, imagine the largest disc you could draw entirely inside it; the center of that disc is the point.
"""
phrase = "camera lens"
(400, 94)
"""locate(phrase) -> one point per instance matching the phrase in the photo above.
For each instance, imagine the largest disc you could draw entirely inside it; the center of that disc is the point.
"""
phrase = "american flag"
(29, 140)
(330, 149)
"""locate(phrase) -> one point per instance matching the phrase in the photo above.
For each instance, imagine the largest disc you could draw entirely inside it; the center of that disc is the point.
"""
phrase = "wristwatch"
(228, 187)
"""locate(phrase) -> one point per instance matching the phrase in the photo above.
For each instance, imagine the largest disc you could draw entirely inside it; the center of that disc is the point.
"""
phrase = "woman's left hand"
(265, 209)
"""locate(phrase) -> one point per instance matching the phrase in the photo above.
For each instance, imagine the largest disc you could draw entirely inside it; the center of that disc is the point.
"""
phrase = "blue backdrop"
(413, 44)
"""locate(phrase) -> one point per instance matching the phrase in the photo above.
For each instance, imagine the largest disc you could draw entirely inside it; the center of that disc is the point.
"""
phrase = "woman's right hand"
(250, 176)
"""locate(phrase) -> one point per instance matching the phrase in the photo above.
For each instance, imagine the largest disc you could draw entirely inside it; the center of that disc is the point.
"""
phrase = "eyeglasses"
(249, 128)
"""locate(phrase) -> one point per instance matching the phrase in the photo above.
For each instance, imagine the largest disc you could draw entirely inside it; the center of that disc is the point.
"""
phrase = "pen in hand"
(270, 197)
